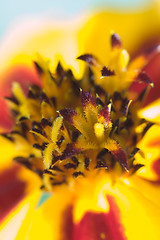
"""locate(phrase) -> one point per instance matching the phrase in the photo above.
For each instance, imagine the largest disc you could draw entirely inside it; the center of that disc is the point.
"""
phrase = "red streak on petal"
(95, 226)
(12, 190)
(20, 73)
(156, 167)
(6, 121)
(152, 69)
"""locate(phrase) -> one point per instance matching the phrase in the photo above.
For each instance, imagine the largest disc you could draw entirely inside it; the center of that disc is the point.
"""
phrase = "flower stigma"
(72, 129)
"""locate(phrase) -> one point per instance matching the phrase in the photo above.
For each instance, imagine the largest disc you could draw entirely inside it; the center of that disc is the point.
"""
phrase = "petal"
(46, 221)
(149, 63)
(10, 228)
(128, 209)
(151, 112)
(150, 145)
(23, 72)
(130, 212)
(152, 69)
(96, 33)
(16, 183)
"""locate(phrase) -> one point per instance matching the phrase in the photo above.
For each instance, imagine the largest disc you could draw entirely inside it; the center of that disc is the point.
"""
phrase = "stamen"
(72, 128)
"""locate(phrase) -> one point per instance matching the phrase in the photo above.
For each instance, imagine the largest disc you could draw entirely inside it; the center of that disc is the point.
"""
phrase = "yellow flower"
(88, 142)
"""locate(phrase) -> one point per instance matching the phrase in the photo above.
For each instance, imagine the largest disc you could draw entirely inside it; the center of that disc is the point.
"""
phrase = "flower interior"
(69, 129)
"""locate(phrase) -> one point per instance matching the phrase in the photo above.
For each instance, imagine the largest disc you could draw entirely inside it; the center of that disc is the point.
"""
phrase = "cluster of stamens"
(70, 130)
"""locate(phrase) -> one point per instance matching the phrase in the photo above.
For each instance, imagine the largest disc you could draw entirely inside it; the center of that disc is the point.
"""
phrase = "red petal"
(12, 190)
(152, 69)
(94, 226)
(156, 168)
(22, 74)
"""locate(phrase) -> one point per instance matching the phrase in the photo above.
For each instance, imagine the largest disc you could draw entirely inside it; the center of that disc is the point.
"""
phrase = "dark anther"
(24, 127)
(14, 113)
(75, 87)
(147, 128)
(117, 96)
(59, 142)
(76, 174)
(13, 99)
(99, 102)
(116, 41)
(31, 94)
(143, 95)
(86, 161)
(37, 130)
(70, 165)
(36, 124)
(89, 58)
(43, 97)
(137, 167)
(75, 135)
(53, 99)
(102, 153)
(129, 123)
(7, 137)
(36, 145)
(133, 153)
(59, 183)
(44, 145)
(75, 160)
(100, 91)
(144, 78)
(48, 172)
(59, 69)
(91, 76)
(70, 151)
(23, 119)
(68, 113)
(52, 77)
(101, 164)
(134, 139)
(124, 106)
(45, 122)
(38, 68)
(106, 72)
(23, 161)
(55, 168)
(69, 73)
(54, 158)
(39, 172)
(115, 127)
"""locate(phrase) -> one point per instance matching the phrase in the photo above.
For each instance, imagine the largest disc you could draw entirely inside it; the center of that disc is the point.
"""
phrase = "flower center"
(70, 128)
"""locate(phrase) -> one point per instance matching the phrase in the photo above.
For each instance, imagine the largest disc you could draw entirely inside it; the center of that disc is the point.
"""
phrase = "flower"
(90, 146)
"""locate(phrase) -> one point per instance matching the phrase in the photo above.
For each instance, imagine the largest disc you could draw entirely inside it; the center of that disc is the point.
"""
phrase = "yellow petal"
(151, 112)
(150, 146)
(10, 228)
(47, 220)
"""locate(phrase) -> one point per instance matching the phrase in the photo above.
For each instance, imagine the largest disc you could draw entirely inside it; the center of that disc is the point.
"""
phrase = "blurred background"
(13, 11)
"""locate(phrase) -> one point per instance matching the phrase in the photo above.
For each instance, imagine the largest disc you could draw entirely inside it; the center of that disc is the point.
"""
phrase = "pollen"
(94, 129)
(99, 130)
